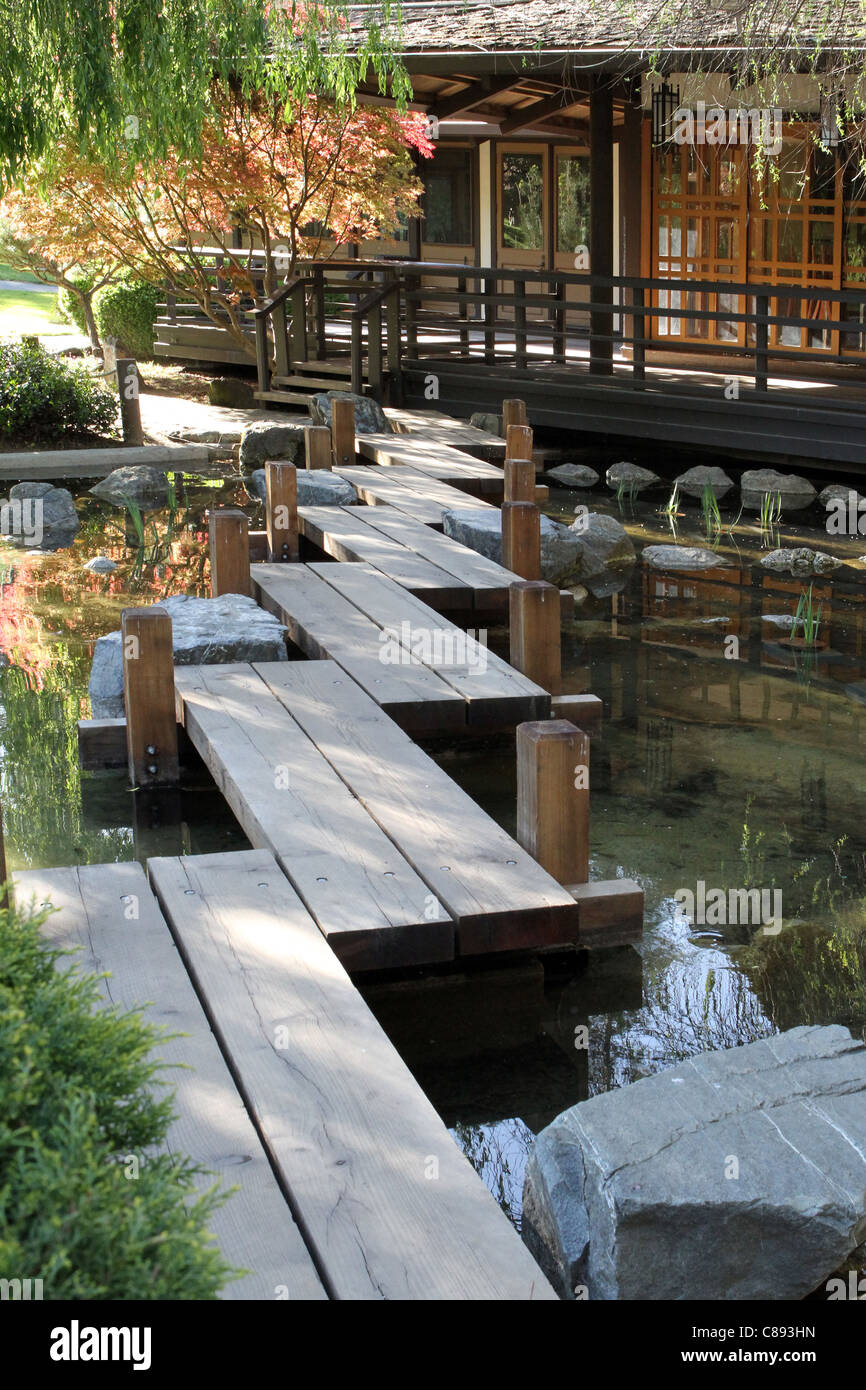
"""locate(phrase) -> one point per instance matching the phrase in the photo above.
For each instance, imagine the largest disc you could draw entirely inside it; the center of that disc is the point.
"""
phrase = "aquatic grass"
(711, 513)
(807, 619)
(771, 510)
(626, 490)
(671, 510)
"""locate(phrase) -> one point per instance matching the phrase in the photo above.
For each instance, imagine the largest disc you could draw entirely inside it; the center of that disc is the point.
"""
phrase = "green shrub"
(68, 306)
(126, 310)
(76, 1101)
(42, 396)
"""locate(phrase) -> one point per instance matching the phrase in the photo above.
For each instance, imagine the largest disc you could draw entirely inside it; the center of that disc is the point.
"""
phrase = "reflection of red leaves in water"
(21, 636)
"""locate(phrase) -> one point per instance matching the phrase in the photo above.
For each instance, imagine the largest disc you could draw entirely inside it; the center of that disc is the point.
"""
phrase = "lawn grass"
(22, 312)
(8, 273)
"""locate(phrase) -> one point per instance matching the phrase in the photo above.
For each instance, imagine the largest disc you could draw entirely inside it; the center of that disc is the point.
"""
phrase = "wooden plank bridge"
(365, 856)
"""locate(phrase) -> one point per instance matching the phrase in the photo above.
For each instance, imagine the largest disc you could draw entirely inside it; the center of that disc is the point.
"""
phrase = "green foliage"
(126, 310)
(77, 1101)
(771, 510)
(711, 514)
(69, 306)
(807, 618)
(42, 396)
(138, 76)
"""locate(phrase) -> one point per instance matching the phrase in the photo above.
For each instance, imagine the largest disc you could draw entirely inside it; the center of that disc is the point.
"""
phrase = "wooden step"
(388, 1204)
(286, 397)
(109, 916)
(367, 900)
(499, 897)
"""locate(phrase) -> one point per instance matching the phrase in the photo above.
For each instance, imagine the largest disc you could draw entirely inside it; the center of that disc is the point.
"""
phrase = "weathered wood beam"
(459, 102)
(557, 103)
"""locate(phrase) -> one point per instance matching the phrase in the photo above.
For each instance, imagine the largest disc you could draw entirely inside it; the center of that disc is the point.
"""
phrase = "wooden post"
(535, 620)
(343, 431)
(513, 413)
(521, 539)
(519, 480)
(317, 444)
(281, 481)
(229, 553)
(518, 442)
(129, 386)
(553, 797)
(601, 229)
(148, 679)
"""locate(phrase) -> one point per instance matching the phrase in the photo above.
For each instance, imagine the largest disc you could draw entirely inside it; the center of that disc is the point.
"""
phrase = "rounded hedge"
(126, 310)
(42, 396)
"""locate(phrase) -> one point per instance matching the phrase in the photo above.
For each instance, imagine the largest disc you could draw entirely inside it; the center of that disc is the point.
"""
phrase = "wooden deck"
(420, 496)
(435, 460)
(423, 672)
(350, 1186)
(443, 573)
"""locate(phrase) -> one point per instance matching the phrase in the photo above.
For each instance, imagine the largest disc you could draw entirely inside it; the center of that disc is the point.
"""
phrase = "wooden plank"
(254, 1229)
(324, 623)
(101, 744)
(439, 460)
(495, 692)
(420, 495)
(98, 463)
(348, 534)
(488, 581)
(369, 903)
(445, 429)
(386, 1200)
(499, 897)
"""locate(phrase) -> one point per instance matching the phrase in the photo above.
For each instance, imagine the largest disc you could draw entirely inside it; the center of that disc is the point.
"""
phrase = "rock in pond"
(39, 516)
(801, 562)
(682, 557)
(695, 481)
(738, 1174)
(758, 483)
(594, 550)
(262, 441)
(491, 424)
(631, 477)
(573, 475)
(101, 564)
(839, 492)
(142, 484)
(317, 487)
(205, 631)
(370, 418)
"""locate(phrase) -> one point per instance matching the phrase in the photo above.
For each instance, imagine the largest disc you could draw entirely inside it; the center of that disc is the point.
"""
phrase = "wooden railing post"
(319, 313)
(518, 441)
(463, 315)
(520, 357)
(413, 283)
(521, 539)
(513, 413)
(263, 353)
(317, 446)
(148, 681)
(281, 508)
(519, 480)
(343, 432)
(298, 338)
(762, 359)
(374, 352)
(488, 311)
(357, 350)
(553, 797)
(535, 620)
(282, 356)
(559, 320)
(129, 387)
(638, 354)
(229, 535)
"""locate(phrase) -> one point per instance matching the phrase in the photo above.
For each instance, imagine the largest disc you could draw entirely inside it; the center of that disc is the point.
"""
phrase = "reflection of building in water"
(813, 799)
(659, 734)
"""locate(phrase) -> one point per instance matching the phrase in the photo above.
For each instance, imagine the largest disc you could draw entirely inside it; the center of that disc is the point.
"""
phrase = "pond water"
(737, 771)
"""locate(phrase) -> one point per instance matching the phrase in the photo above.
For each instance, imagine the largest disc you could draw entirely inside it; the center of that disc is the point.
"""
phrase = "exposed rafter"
(472, 95)
(540, 110)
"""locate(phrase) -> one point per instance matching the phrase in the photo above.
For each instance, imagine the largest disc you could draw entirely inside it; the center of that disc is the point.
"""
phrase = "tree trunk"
(85, 298)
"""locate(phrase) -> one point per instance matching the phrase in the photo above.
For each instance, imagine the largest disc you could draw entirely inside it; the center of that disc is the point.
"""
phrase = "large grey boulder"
(142, 484)
(695, 481)
(205, 631)
(262, 441)
(839, 492)
(39, 516)
(370, 418)
(231, 391)
(573, 475)
(630, 476)
(682, 557)
(491, 424)
(736, 1175)
(317, 487)
(801, 562)
(758, 483)
(593, 550)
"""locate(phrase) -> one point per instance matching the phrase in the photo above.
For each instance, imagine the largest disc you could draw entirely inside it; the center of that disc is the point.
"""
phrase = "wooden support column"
(535, 626)
(343, 432)
(631, 199)
(148, 681)
(521, 539)
(519, 480)
(601, 229)
(229, 553)
(281, 508)
(553, 797)
(513, 413)
(518, 442)
(317, 445)
(129, 386)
